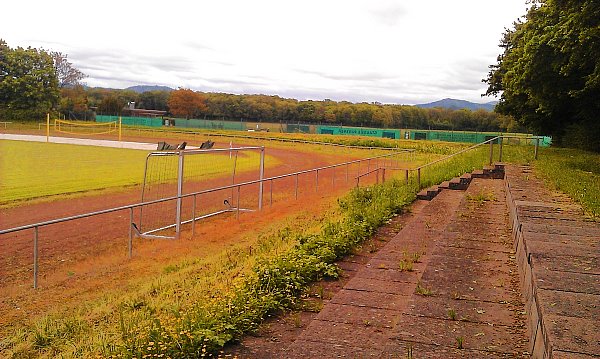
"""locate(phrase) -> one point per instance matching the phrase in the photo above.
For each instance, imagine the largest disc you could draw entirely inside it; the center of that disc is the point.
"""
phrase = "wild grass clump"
(575, 172)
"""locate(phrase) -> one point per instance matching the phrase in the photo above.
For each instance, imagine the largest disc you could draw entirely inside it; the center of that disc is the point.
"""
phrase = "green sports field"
(33, 170)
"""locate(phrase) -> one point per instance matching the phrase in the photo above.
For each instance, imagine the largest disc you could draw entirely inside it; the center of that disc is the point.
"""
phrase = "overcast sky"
(403, 51)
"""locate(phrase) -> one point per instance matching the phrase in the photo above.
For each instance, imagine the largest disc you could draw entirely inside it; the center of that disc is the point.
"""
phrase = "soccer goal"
(85, 128)
(198, 183)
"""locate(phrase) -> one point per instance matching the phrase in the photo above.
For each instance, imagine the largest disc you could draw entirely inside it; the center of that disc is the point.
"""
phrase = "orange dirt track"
(83, 259)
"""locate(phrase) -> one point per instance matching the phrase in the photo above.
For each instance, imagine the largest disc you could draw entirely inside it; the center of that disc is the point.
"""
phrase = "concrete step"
(478, 174)
(429, 193)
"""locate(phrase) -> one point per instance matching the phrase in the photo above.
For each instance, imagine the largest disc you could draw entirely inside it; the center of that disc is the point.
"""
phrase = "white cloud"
(360, 50)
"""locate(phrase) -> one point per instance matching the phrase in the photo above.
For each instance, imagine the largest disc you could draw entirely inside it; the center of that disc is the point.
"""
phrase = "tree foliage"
(28, 82)
(186, 103)
(549, 72)
(68, 75)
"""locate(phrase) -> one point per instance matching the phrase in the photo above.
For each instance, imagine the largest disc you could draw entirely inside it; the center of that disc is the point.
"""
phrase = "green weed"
(421, 290)
(452, 314)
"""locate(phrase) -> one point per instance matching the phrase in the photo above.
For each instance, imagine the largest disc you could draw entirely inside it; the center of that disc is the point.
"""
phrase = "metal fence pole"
(271, 195)
(194, 215)
(35, 257)
(179, 193)
(406, 176)
(383, 175)
(262, 176)
(419, 177)
(130, 243)
(491, 152)
(333, 177)
(296, 186)
(238, 203)
(537, 144)
(347, 169)
(500, 149)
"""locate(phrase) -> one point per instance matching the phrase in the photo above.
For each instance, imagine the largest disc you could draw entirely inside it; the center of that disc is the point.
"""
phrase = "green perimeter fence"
(431, 135)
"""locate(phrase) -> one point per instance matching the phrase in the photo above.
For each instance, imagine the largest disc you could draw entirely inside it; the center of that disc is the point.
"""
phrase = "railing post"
(238, 203)
(347, 169)
(537, 144)
(261, 176)
(406, 176)
(383, 175)
(491, 152)
(194, 216)
(130, 242)
(419, 177)
(179, 194)
(35, 257)
(296, 194)
(333, 177)
(271, 195)
(500, 149)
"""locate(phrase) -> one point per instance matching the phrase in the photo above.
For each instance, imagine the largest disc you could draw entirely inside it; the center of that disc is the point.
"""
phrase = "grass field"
(32, 170)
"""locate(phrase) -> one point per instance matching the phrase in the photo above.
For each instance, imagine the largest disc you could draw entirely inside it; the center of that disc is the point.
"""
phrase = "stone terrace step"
(359, 320)
(470, 296)
(558, 258)
(378, 315)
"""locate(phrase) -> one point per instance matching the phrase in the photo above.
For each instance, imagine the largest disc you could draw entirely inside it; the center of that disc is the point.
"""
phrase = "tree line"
(548, 74)
(186, 103)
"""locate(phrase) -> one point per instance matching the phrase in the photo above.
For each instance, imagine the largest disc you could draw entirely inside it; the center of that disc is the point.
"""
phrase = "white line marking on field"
(81, 141)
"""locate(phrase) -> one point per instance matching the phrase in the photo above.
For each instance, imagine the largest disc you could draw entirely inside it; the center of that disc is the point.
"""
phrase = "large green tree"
(549, 72)
(28, 83)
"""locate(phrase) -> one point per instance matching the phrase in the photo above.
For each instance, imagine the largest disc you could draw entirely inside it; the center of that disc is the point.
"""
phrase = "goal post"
(198, 183)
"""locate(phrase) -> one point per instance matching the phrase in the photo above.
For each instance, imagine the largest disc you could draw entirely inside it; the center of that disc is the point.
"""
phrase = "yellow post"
(48, 127)
(119, 128)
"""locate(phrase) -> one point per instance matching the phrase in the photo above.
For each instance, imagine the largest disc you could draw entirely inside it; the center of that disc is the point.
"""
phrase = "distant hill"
(454, 104)
(146, 88)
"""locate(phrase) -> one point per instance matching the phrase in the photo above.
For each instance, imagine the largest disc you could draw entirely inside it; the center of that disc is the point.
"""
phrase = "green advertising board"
(358, 131)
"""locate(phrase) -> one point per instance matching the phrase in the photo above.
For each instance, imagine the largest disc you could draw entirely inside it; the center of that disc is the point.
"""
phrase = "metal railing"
(498, 139)
(133, 231)
(376, 168)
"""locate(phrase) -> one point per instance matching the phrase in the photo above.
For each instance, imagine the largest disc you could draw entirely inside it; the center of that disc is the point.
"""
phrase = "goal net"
(85, 128)
(200, 183)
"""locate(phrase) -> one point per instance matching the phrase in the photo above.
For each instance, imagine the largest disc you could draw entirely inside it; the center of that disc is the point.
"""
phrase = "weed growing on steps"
(452, 314)
(421, 290)
(460, 342)
(480, 198)
(405, 266)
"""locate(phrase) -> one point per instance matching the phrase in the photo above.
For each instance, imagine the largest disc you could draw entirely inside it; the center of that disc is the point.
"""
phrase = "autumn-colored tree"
(186, 103)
